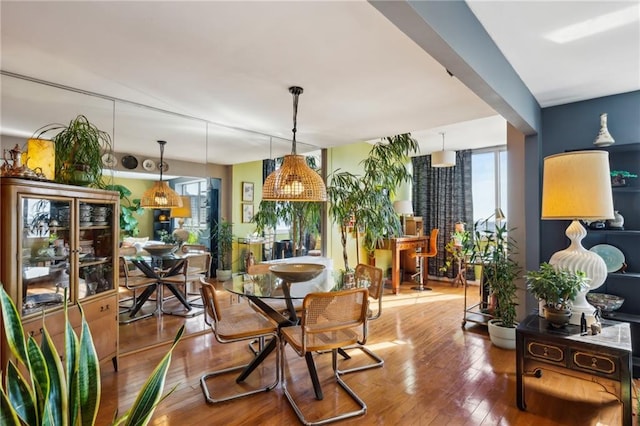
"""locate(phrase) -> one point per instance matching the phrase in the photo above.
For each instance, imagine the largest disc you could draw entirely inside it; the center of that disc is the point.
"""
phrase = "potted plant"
(493, 248)
(223, 234)
(556, 288)
(619, 177)
(65, 392)
(365, 202)
(79, 147)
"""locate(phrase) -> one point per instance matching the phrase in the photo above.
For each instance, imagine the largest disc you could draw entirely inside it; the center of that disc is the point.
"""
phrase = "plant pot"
(557, 318)
(502, 337)
(223, 274)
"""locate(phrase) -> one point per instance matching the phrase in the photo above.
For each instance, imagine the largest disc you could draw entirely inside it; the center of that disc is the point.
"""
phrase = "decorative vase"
(617, 222)
(557, 318)
(604, 138)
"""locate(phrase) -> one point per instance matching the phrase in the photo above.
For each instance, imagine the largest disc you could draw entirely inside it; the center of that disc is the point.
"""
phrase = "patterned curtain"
(268, 166)
(442, 196)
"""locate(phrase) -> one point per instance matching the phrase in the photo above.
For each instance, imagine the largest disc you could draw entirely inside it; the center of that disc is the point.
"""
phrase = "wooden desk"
(604, 358)
(397, 245)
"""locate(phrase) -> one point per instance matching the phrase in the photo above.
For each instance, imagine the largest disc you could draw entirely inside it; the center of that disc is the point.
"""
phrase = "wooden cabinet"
(56, 239)
(626, 199)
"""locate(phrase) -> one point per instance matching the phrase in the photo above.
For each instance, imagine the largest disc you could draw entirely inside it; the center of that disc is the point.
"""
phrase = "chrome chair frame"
(373, 276)
(329, 321)
(228, 328)
(132, 283)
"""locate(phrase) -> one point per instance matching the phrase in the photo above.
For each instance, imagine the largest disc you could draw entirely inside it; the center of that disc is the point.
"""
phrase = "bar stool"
(433, 251)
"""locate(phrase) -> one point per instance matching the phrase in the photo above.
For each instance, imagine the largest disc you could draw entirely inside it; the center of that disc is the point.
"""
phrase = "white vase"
(604, 138)
(617, 221)
(502, 337)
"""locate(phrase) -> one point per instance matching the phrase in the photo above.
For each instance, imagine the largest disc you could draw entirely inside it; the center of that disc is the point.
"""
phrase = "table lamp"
(41, 154)
(181, 213)
(577, 186)
(404, 208)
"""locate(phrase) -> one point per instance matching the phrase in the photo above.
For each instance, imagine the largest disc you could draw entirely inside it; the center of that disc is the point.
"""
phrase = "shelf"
(623, 189)
(621, 316)
(626, 232)
(626, 275)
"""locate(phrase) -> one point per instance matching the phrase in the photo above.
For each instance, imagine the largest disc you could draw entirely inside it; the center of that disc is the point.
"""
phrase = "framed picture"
(247, 192)
(247, 213)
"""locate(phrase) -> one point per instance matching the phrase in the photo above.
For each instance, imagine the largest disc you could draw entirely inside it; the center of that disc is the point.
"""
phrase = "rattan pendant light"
(160, 195)
(294, 180)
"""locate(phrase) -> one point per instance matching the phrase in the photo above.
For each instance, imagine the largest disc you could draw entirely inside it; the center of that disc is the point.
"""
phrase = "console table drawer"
(545, 352)
(600, 364)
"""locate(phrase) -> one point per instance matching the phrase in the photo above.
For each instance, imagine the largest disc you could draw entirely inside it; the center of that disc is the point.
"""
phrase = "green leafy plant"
(223, 232)
(167, 237)
(493, 248)
(128, 211)
(623, 174)
(56, 394)
(79, 147)
(557, 287)
(366, 201)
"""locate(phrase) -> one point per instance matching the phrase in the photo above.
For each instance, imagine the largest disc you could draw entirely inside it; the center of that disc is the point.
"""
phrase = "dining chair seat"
(329, 321)
(234, 323)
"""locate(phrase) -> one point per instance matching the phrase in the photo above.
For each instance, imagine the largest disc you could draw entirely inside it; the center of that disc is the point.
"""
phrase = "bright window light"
(597, 25)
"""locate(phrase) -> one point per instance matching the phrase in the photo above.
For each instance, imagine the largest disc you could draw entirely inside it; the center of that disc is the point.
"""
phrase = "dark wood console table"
(604, 358)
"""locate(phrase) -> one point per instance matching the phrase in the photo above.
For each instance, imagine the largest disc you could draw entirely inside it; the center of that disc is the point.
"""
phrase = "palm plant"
(366, 201)
(56, 394)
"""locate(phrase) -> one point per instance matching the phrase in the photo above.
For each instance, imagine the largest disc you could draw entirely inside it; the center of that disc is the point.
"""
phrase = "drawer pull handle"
(104, 308)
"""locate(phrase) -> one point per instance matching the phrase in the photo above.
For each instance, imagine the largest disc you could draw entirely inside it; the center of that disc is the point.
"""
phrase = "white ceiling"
(230, 64)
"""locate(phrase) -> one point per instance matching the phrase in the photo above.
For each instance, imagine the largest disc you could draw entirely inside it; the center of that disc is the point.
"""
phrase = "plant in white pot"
(493, 248)
(223, 234)
(557, 288)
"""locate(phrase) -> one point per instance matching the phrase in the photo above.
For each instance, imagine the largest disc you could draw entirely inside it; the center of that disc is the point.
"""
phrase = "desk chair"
(371, 278)
(235, 323)
(433, 251)
(330, 321)
(195, 267)
(133, 283)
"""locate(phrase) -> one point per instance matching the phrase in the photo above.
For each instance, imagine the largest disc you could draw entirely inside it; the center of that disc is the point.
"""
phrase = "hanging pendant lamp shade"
(294, 180)
(160, 195)
(443, 158)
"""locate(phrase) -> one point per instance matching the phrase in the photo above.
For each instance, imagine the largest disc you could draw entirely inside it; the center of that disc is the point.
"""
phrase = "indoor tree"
(365, 201)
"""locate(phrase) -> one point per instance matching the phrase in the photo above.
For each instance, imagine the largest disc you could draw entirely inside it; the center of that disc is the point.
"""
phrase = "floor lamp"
(577, 186)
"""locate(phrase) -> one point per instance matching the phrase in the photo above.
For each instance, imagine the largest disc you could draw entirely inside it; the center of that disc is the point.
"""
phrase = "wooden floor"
(435, 373)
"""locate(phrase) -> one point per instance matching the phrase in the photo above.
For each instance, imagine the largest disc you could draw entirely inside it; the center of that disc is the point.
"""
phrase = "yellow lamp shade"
(185, 210)
(41, 157)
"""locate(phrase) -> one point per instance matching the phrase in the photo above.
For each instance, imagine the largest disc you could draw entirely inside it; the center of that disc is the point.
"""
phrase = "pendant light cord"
(161, 143)
(295, 91)
(442, 133)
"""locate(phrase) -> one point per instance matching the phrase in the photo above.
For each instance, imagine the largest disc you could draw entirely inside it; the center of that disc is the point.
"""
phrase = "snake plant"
(56, 394)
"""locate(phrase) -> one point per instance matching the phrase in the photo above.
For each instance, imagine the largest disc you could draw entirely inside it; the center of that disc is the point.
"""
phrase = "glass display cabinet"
(57, 240)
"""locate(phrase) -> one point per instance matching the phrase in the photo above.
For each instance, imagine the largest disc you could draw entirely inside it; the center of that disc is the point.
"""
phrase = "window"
(489, 183)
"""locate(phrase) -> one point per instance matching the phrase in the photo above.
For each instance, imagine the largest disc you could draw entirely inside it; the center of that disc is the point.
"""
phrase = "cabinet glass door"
(95, 248)
(46, 246)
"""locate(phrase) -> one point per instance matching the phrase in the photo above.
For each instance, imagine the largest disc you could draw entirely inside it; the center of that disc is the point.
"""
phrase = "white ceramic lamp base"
(577, 258)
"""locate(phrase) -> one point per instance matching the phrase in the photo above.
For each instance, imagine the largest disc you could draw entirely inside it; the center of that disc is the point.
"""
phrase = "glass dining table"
(266, 291)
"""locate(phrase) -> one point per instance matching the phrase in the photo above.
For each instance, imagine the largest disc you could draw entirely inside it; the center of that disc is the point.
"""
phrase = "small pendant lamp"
(443, 158)
(294, 180)
(160, 195)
